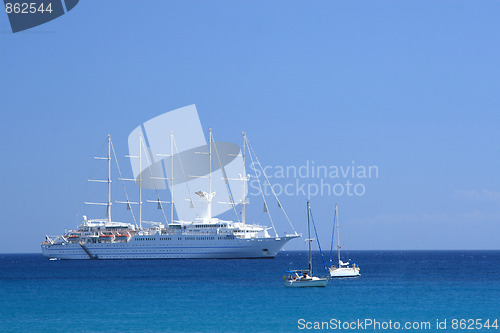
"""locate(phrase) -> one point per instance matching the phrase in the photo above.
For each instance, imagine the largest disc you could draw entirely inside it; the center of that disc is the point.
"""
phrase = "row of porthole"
(124, 248)
(135, 245)
(142, 251)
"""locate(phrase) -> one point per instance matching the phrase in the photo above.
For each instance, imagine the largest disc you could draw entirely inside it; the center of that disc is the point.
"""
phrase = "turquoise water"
(37, 295)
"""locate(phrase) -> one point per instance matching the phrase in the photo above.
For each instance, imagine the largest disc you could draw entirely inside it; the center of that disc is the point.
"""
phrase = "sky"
(407, 87)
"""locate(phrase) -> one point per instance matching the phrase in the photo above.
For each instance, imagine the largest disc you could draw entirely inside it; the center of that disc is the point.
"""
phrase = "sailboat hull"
(314, 282)
(344, 272)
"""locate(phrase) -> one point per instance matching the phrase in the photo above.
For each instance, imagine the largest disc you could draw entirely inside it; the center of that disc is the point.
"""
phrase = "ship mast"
(140, 181)
(210, 174)
(109, 179)
(244, 179)
(172, 176)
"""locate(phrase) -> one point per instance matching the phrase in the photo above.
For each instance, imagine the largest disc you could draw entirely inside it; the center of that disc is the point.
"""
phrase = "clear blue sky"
(409, 86)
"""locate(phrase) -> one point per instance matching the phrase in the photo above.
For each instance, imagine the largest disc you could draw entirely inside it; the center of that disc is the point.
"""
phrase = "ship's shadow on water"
(238, 295)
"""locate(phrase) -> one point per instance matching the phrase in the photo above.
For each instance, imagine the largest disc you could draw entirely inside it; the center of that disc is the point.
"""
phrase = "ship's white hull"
(344, 272)
(172, 247)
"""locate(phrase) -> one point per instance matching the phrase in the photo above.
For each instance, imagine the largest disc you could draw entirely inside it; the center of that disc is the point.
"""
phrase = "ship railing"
(199, 234)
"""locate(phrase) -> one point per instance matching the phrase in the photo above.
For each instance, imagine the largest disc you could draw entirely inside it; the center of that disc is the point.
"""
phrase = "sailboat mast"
(244, 175)
(172, 176)
(140, 181)
(309, 239)
(210, 173)
(109, 179)
(338, 235)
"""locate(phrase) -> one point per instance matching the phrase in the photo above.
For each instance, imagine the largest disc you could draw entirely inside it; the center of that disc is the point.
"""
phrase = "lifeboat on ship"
(106, 236)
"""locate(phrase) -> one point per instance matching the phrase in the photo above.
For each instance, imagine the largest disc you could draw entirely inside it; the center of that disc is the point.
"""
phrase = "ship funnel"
(205, 204)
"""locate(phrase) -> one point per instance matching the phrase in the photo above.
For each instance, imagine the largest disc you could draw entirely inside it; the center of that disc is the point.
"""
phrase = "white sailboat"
(304, 278)
(343, 269)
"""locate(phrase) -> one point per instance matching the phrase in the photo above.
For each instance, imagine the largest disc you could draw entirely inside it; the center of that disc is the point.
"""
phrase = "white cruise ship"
(101, 239)
(204, 236)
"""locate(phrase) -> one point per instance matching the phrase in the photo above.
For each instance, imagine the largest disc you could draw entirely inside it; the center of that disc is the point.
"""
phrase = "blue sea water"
(38, 295)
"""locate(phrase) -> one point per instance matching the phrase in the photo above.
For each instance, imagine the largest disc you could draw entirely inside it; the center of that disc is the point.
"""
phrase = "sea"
(431, 291)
